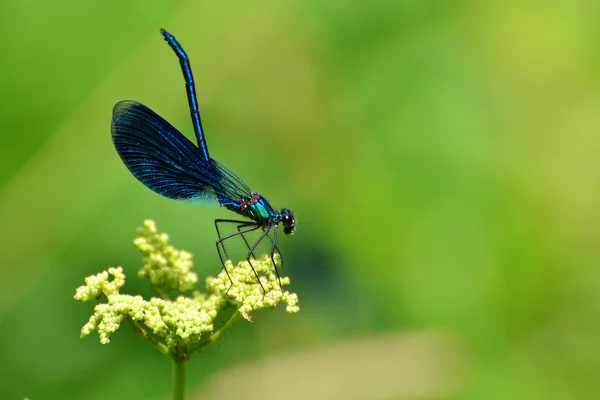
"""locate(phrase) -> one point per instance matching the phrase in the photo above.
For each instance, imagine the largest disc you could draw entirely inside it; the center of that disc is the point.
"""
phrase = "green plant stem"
(219, 333)
(144, 335)
(179, 378)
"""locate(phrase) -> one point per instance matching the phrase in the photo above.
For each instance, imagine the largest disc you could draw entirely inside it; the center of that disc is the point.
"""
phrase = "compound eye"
(288, 220)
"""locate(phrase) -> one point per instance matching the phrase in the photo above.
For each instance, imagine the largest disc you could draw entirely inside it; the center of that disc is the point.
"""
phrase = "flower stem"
(179, 378)
(144, 335)
(219, 333)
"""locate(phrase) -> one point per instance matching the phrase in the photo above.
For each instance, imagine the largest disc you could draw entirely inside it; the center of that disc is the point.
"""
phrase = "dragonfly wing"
(161, 157)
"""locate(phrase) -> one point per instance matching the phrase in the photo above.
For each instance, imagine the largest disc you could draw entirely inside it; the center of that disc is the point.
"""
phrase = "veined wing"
(167, 162)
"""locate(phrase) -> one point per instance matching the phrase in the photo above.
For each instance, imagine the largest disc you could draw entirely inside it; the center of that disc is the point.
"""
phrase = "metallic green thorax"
(258, 209)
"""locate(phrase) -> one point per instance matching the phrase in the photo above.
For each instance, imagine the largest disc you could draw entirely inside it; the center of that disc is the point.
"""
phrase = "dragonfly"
(168, 163)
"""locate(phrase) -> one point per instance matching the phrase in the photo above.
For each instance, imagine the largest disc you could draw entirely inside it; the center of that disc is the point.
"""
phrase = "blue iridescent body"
(168, 163)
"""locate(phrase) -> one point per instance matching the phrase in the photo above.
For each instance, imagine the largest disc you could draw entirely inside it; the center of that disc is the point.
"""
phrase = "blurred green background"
(442, 159)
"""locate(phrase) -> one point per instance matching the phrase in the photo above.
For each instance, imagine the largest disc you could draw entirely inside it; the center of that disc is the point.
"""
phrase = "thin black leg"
(273, 248)
(274, 245)
(253, 227)
(239, 227)
(230, 221)
(241, 232)
(260, 239)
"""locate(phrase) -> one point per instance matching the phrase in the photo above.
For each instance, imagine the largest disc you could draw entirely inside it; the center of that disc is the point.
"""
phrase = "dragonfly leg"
(241, 224)
(273, 246)
(220, 244)
(239, 227)
(273, 249)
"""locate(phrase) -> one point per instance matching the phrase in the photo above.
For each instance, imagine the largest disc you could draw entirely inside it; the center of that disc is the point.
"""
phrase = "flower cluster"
(184, 322)
(244, 290)
(166, 267)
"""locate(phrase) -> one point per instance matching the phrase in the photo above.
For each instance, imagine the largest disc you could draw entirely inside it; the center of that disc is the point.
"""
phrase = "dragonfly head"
(289, 221)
